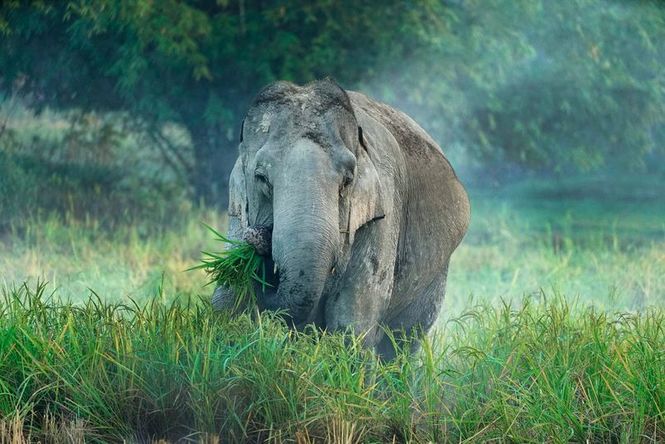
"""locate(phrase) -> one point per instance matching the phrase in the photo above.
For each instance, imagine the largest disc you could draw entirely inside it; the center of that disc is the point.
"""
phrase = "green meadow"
(553, 330)
(601, 244)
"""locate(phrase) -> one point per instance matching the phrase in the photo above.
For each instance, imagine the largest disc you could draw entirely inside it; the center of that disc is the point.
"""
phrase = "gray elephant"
(365, 211)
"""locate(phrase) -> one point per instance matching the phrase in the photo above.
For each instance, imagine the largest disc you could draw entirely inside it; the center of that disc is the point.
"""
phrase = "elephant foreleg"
(413, 320)
(363, 294)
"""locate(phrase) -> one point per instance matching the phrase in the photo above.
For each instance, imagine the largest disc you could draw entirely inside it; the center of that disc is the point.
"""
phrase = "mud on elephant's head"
(304, 170)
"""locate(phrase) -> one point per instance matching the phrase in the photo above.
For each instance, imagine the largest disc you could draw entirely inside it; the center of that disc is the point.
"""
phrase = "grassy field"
(599, 243)
(608, 251)
(540, 372)
(553, 330)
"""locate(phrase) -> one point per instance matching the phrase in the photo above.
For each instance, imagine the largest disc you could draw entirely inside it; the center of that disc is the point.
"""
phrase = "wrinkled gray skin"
(365, 210)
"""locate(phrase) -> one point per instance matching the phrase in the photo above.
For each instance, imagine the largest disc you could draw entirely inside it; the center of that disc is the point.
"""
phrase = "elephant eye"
(262, 179)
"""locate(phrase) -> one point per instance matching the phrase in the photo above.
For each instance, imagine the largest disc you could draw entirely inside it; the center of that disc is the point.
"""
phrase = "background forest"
(155, 91)
(119, 124)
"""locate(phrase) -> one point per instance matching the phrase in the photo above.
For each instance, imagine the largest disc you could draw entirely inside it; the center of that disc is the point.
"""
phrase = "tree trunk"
(214, 156)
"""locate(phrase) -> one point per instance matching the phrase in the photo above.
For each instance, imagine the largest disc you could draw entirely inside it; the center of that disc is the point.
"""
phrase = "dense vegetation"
(529, 347)
(194, 63)
(514, 85)
(535, 373)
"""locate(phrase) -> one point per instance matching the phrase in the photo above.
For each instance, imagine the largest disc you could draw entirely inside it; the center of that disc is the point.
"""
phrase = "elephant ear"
(237, 201)
(366, 200)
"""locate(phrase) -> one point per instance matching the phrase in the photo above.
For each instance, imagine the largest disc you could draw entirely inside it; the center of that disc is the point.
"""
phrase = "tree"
(197, 62)
(545, 85)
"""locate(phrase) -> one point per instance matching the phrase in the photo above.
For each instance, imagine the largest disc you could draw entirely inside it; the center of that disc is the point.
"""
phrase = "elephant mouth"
(260, 237)
(267, 292)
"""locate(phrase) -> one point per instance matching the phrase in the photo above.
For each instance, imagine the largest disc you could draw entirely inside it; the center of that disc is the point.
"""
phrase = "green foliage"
(541, 84)
(30, 186)
(236, 267)
(196, 63)
(555, 86)
(542, 371)
(83, 165)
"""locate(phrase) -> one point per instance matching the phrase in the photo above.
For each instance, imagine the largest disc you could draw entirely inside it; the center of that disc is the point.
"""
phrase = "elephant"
(363, 209)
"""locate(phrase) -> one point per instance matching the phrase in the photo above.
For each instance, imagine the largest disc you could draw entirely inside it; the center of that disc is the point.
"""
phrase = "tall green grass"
(541, 371)
(502, 366)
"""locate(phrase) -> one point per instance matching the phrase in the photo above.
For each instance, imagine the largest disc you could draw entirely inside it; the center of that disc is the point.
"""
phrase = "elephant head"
(304, 170)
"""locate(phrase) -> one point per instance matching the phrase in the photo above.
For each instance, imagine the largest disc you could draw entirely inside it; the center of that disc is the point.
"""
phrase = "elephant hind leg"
(414, 321)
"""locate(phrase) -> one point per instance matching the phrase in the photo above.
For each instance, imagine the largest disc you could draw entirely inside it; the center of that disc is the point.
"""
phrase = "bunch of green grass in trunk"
(236, 267)
(536, 372)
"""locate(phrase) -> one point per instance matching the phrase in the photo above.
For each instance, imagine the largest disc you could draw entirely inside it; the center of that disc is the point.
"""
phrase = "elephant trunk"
(304, 240)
